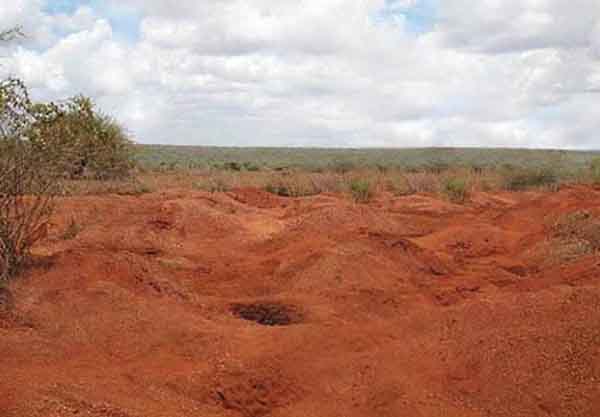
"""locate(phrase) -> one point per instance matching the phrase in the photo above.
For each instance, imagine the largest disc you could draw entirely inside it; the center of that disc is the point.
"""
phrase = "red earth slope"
(407, 306)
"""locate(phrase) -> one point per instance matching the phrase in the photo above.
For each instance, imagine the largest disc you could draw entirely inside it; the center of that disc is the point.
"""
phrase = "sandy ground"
(408, 306)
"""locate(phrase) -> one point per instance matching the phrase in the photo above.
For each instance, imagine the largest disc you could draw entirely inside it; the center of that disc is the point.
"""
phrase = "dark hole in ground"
(268, 314)
(518, 270)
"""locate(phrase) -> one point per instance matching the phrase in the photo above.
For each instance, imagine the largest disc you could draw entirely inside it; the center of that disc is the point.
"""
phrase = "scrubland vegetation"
(452, 173)
(363, 182)
(43, 145)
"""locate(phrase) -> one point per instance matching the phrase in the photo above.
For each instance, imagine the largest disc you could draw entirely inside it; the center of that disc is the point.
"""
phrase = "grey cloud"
(517, 25)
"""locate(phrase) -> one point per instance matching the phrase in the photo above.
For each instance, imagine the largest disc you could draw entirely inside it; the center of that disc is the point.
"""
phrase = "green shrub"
(28, 182)
(232, 166)
(595, 170)
(522, 179)
(361, 190)
(456, 189)
(82, 141)
(251, 167)
(278, 189)
(27, 186)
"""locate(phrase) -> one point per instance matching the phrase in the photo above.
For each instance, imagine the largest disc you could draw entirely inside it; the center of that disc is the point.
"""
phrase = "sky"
(324, 73)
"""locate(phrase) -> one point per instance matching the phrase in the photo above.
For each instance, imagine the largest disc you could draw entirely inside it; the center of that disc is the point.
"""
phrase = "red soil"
(408, 306)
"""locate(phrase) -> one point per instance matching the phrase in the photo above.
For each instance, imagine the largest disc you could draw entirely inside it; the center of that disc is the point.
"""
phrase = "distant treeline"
(168, 157)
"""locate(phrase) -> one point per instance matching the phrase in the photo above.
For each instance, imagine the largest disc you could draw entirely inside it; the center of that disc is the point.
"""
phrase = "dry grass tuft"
(579, 226)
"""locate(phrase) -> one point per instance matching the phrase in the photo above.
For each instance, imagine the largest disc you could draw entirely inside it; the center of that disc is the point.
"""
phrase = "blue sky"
(123, 19)
(63, 6)
(420, 17)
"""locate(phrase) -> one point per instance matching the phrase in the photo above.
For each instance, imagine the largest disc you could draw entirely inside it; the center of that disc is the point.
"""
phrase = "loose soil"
(182, 303)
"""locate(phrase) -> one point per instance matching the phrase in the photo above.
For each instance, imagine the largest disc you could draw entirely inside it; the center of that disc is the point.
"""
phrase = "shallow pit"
(268, 313)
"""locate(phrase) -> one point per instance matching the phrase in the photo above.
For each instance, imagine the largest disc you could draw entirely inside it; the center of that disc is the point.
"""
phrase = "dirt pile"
(247, 304)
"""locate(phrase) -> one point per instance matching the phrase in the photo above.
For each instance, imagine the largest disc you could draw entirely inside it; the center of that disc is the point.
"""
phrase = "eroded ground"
(247, 304)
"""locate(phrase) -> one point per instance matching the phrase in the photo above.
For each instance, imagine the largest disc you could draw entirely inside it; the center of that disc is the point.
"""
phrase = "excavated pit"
(268, 313)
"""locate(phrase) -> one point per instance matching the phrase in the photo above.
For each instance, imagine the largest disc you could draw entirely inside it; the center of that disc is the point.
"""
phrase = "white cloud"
(81, 19)
(518, 25)
(325, 72)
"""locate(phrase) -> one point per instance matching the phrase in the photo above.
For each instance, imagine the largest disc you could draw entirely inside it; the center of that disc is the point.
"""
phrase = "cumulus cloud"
(323, 73)
(518, 25)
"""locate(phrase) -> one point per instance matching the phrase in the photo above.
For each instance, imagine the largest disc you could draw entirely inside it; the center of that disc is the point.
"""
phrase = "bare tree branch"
(11, 34)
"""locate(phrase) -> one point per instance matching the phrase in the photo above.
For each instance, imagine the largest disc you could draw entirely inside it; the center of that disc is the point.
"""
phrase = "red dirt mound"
(247, 304)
